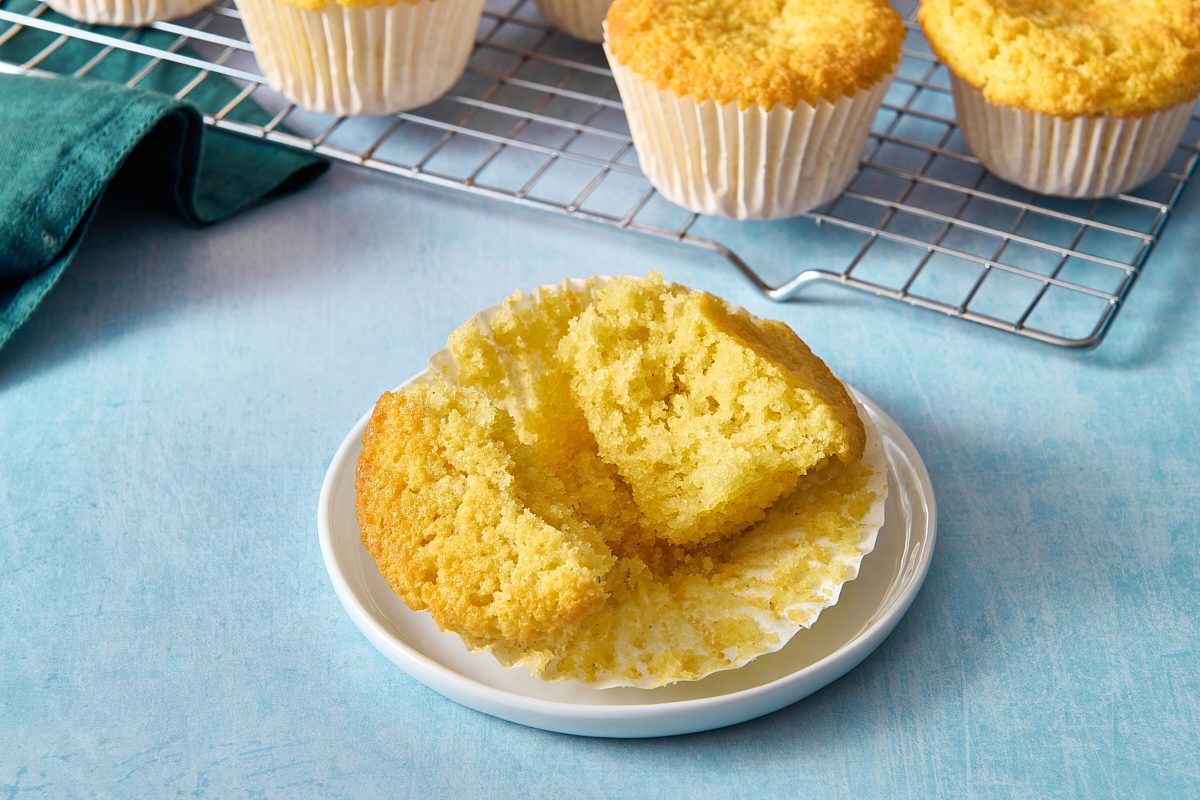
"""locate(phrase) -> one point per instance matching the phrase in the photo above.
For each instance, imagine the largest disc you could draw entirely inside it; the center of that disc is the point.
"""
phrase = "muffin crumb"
(708, 416)
(463, 522)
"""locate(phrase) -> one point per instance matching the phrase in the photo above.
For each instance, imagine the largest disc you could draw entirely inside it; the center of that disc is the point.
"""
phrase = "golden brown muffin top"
(1071, 57)
(756, 51)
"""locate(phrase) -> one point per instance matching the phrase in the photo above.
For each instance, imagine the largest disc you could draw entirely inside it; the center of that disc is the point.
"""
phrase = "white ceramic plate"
(845, 634)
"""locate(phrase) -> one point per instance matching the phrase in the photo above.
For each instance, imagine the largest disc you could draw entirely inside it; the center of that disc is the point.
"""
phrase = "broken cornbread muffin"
(472, 481)
(709, 416)
(463, 522)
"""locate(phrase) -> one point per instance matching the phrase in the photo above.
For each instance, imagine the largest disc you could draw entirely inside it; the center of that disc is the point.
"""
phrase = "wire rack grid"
(536, 121)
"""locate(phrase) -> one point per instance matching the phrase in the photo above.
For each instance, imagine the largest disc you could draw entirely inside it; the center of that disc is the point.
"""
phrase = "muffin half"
(708, 415)
(462, 521)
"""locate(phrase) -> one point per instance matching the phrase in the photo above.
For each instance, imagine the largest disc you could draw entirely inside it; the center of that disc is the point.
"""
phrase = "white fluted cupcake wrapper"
(583, 19)
(1067, 156)
(746, 163)
(127, 13)
(368, 60)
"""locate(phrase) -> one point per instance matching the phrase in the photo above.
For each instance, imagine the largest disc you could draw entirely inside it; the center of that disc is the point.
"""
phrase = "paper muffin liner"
(126, 13)
(778, 575)
(366, 60)
(746, 163)
(1067, 156)
(583, 19)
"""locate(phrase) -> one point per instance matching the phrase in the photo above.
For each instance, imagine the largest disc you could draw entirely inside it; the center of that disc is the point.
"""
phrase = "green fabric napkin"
(63, 140)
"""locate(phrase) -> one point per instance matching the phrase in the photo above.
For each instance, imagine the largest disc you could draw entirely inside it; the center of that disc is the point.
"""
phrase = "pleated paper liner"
(365, 60)
(746, 163)
(583, 19)
(1067, 156)
(126, 13)
(673, 617)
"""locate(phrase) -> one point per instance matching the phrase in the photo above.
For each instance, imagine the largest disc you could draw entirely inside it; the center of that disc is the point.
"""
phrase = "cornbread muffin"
(754, 109)
(497, 418)
(1080, 98)
(126, 13)
(361, 56)
(709, 417)
(583, 19)
(463, 522)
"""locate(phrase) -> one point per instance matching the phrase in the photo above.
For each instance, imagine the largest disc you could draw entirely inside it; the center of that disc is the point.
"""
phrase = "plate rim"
(494, 700)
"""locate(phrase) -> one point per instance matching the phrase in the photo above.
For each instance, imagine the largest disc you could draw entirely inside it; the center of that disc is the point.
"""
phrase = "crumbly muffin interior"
(511, 360)
(708, 416)
(462, 519)
(714, 607)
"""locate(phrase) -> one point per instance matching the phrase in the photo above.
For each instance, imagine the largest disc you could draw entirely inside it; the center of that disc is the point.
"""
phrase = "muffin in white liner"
(127, 13)
(1079, 156)
(362, 59)
(751, 110)
(583, 19)
(746, 163)
(1077, 98)
(674, 613)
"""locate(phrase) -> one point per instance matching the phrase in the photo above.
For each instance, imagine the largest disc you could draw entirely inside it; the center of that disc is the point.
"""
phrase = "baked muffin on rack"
(754, 109)
(1081, 98)
(126, 13)
(361, 56)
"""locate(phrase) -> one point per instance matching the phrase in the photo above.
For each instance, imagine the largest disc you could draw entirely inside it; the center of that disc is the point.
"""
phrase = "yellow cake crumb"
(463, 522)
(708, 416)
(1126, 58)
(511, 360)
(757, 51)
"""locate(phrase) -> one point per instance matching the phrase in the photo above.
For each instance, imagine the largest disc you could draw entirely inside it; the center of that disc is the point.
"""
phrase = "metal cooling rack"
(536, 121)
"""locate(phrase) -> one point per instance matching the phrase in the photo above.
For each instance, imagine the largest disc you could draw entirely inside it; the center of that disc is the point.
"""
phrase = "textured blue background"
(167, 627)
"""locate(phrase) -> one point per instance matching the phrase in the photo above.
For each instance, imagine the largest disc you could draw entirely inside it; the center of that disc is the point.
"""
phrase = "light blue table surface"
(167, 627)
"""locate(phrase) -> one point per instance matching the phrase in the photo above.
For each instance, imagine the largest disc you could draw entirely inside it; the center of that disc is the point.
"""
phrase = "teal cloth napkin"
(63, 140)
